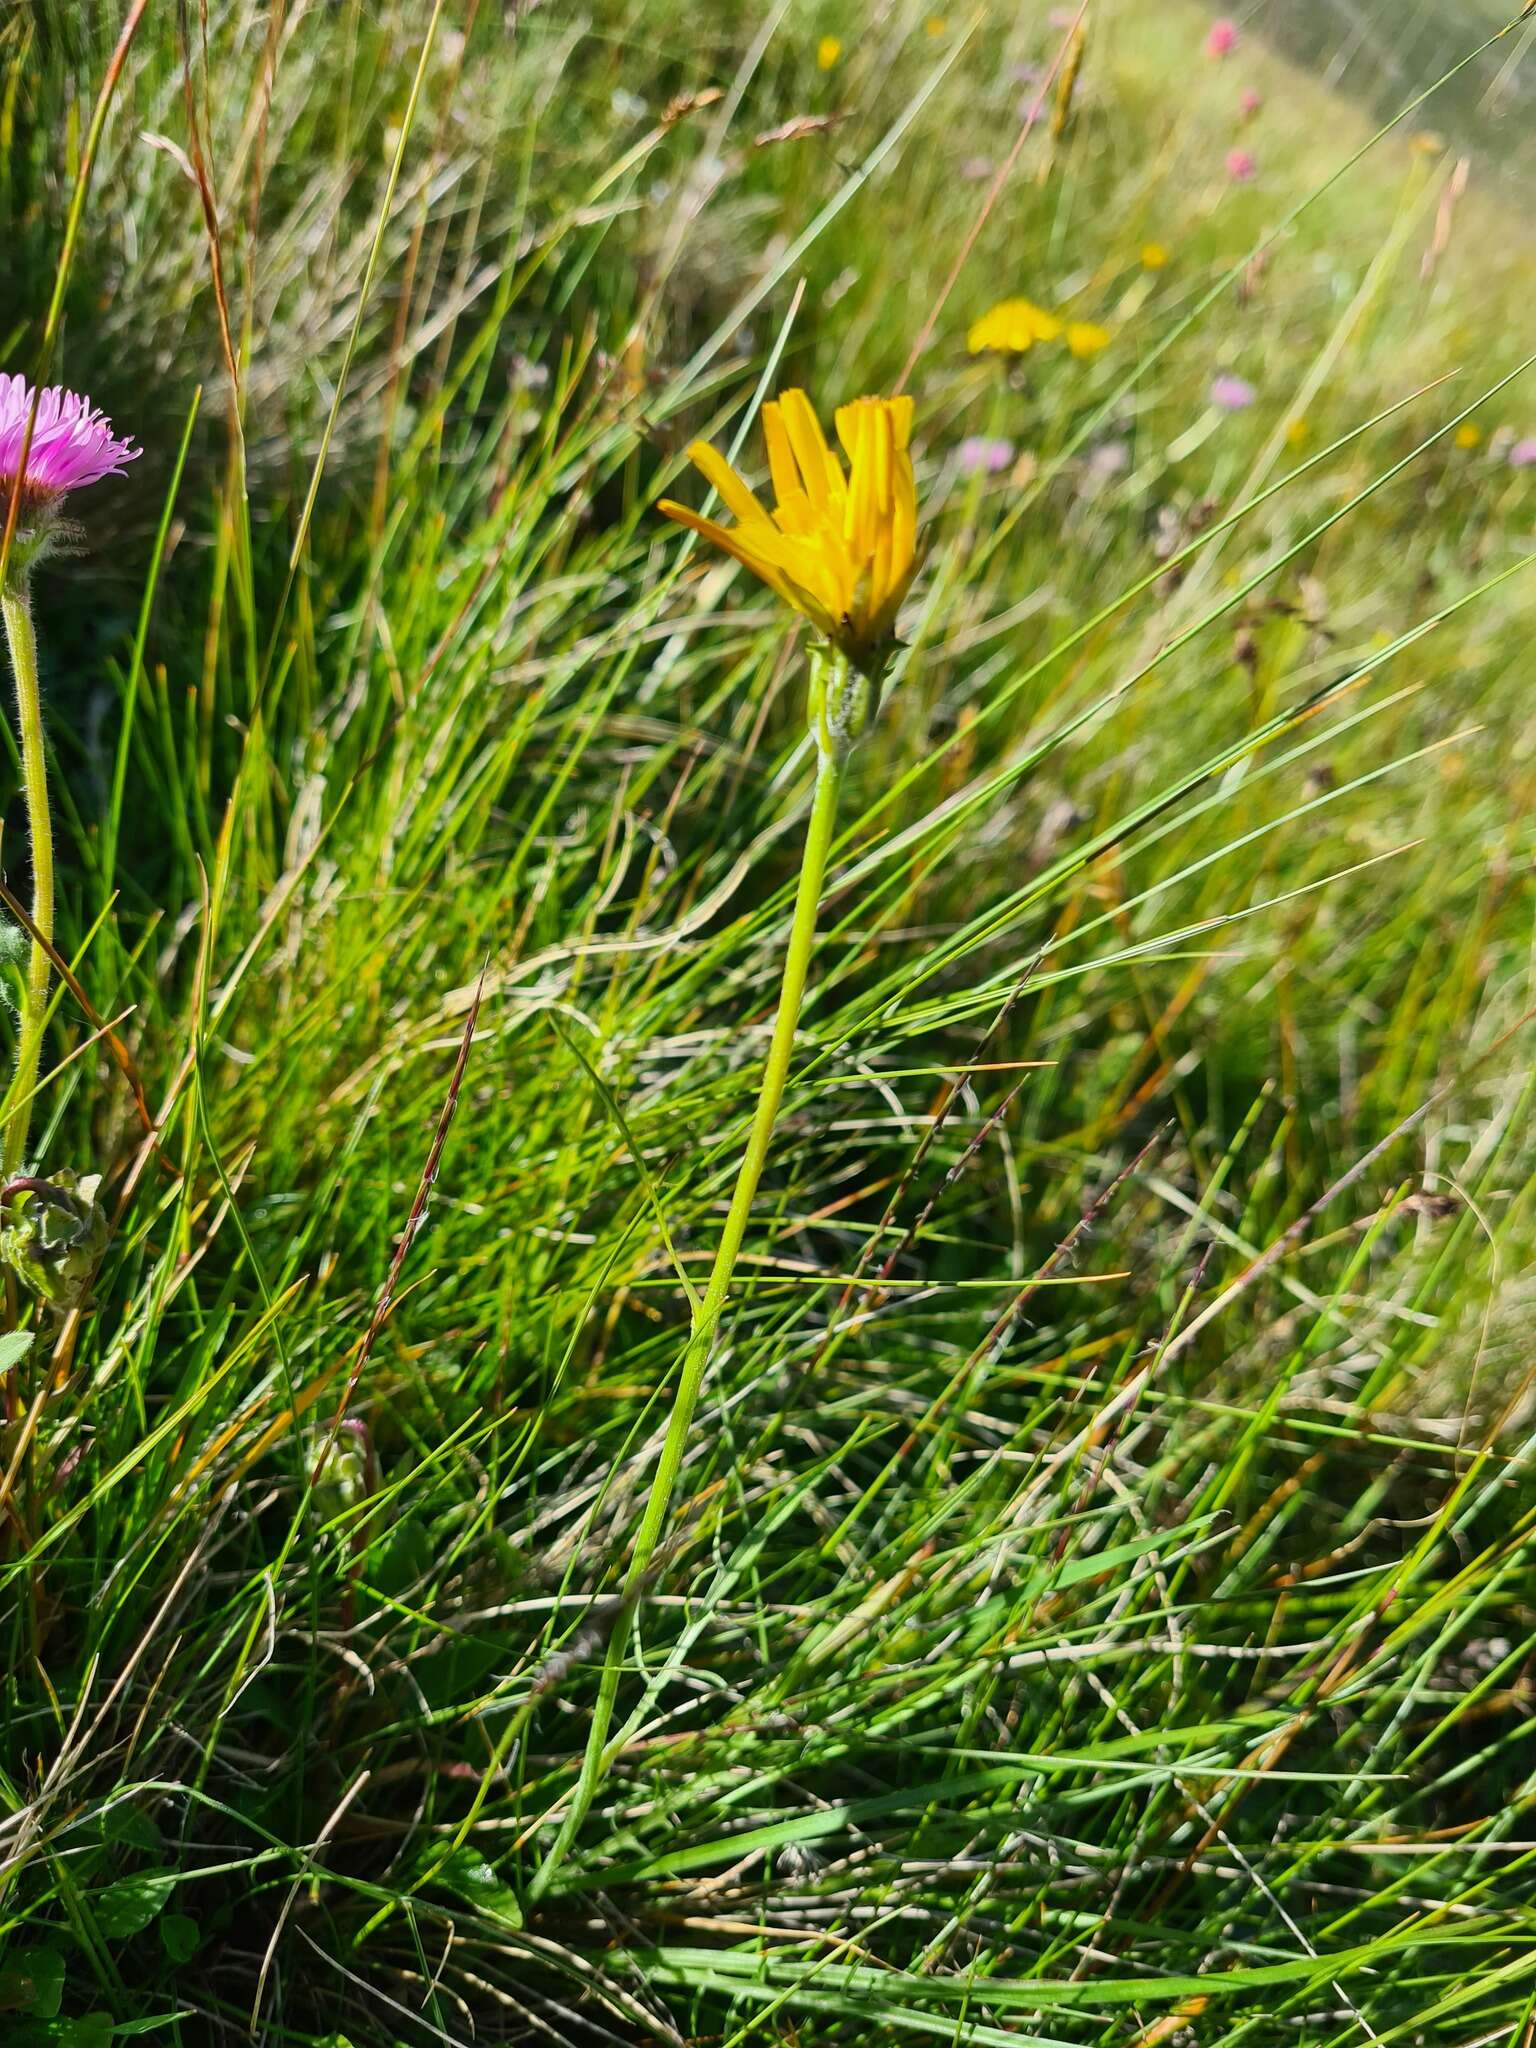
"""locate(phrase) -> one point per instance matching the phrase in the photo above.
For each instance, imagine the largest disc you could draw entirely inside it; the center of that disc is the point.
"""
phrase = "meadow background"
(1100, 1606)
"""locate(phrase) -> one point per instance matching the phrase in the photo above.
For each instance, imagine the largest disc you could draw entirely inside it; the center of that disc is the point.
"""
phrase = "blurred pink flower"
(983, 454)
(1231, 393)
(1523, 454)
(1222, 38)
(1109, 459)
(72, 444)
(1249, 102)
(1242, 166)
(975, 168)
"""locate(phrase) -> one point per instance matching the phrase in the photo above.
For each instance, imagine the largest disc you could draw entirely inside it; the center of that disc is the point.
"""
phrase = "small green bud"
(53, 1234)
(13, 949)
(843, 700)
(343, 1461)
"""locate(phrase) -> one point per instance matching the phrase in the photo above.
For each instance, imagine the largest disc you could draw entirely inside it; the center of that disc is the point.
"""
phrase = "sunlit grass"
(1099, 1600)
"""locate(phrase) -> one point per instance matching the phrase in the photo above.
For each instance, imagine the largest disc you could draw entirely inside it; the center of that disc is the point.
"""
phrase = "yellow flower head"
(1086, 337)
(935, 25)
(840, 548)
(828, 50)
(1012, 326)
(1468, 435)
(1153, 255)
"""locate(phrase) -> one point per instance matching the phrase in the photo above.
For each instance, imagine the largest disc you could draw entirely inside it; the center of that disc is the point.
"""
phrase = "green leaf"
(467, 1874)
(127, 1907)
(1095, 1563)
(14, 1346)
(92, 2030)
(181, 1936)
(134, 1830)
(32, 1981)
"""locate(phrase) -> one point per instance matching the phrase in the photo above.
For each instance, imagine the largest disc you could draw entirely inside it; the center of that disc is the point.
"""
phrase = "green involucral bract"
(53, 1235)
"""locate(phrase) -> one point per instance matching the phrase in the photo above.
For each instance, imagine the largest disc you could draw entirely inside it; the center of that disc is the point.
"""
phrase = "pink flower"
(981, 454)
(72, 443)
(1242, 166)
(1249, 102)
(1231, 393)
(975, 168)
(1523, 454)
(1109, 459)
(1222, 38)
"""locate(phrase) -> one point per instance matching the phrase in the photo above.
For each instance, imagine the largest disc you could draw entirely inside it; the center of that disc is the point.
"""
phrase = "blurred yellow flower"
(1086, 337)
(1297, 432)
(828, 50)
(841, 549)
(1153, 255)
(1011, 327)
(1468, 435)
(935, 25)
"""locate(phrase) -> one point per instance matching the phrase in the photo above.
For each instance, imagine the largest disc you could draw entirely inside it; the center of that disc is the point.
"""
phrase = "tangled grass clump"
(1040, 1555)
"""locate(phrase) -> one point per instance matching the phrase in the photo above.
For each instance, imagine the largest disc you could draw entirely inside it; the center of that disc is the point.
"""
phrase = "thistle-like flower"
(841, 548)
(72, 445)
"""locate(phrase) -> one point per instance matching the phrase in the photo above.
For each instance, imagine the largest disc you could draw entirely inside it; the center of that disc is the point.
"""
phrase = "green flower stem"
(17, 609)
(831, 685)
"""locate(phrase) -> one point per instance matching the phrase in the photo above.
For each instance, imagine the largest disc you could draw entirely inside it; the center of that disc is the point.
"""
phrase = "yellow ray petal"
(884, 452)
(856, 430)
(819, 467)
(904, 523)
(725, 538)
(847, 419)
(737, 495)
(795, 514)
(781, 458)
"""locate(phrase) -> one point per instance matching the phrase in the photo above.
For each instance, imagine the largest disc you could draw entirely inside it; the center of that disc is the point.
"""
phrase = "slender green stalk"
(832, 688)
(17, 609)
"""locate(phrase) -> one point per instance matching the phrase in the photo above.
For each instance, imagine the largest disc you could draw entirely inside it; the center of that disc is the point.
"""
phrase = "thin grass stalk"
(15, 604)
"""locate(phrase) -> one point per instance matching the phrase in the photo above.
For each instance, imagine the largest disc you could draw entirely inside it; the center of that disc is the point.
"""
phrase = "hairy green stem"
(16, 607)
(833, 689)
